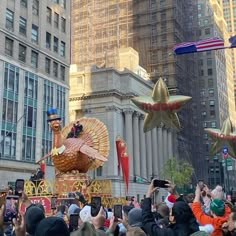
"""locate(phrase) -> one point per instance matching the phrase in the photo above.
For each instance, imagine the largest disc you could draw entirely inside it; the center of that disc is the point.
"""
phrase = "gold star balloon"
(160, 107)
(223, 138)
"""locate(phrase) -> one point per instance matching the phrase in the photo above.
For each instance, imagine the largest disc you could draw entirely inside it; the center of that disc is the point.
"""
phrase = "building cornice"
(105, 93)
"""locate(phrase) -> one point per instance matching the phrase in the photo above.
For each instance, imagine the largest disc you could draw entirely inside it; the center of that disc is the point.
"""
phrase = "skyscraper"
(229, 11)
(216, 83)
(34, 64)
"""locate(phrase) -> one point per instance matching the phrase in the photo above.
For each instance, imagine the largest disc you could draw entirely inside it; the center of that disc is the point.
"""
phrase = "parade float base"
(42, 191)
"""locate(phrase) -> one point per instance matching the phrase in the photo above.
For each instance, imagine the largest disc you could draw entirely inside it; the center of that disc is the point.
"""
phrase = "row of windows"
(55, 44)
(35, 6)
(35, 34)
(24, 3)
(206, 31)
(55, 68)
(210, 93)
(56, 20)
(211, 113)
(210, 83)
(22, 52)
(35, 30)
(211, 103)
(211, 124)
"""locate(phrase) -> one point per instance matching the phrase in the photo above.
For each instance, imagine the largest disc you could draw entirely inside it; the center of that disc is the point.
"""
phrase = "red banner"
(120, 148)
(123, 160)
(125, 169)
(45, 201)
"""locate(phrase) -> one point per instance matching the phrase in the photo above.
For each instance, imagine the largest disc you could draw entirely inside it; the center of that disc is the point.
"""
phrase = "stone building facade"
(105, 93)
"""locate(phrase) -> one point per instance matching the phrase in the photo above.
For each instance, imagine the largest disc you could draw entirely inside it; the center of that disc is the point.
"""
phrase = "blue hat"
(52, 114)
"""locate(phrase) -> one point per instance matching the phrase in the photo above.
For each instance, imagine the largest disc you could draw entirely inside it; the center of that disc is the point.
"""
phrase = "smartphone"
(73, 222)
(53, 203)
(19, 186)
(11, 208)
(201, 184)
(96, 203)
(160, 183)
(118, 211)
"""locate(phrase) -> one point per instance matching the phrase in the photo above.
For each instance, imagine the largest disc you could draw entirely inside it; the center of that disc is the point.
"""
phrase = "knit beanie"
(217, 206)
(52, 226)
(218, 192)
(85, 214)
(135, 217)
(170, 200)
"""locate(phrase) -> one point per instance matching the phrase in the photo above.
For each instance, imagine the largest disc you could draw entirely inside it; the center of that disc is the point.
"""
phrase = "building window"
(55, 69)
(34, 59)
(28, 150)
(34, 34)
(11, 78)
(204, 114)
(212, 113)
(35, 7)
(200, 62)
(31, 87)
(56, 1)
(202, 83)
(204, 124)
(207, 31)
(48, 40)
(49, 15)
(56, 20)
(209, 72)
(23, 3)
(9, 19)
(213, 124)
(22, 26)
(47, 65)
(22, 52)
(210, 83)
(201, 73)
(62, 73)
(211, 92)
(9, 46)
(212, 103)
(99, 171)
(203, 103)
(63, 4)
(55, 44)
(63, 49)
(202, 93)
(63, 24)
(209, 61)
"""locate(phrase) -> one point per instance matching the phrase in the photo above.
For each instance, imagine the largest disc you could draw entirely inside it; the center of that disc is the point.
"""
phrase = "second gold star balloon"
(160, 108)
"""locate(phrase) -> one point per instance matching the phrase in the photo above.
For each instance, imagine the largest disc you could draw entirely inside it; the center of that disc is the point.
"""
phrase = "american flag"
(199, 46)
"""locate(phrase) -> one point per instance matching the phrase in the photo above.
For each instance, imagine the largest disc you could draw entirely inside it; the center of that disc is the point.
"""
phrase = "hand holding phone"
(118, 211)
(160, 183)
(74, 221)
(19, 186)
(53, 203)
(96, 203)
(11, 208)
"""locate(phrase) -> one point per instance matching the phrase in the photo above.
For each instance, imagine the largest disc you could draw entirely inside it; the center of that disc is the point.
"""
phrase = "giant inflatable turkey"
(81, 145)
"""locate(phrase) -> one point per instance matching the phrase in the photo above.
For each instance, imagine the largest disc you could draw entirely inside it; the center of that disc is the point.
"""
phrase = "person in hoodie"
(219, 212)
(182, 221)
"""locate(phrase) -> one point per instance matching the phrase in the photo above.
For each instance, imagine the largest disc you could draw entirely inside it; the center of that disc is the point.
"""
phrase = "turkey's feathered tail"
(94, 134)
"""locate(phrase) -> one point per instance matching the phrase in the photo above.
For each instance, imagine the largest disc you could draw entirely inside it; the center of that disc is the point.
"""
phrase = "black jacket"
(149, 223)
(179, 229)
